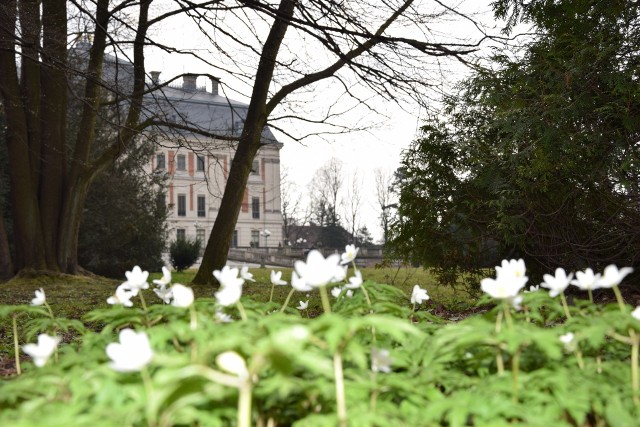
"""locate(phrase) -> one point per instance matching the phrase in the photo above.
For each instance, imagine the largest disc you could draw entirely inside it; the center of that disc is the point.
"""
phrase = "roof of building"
(186, 105)
(203, 110)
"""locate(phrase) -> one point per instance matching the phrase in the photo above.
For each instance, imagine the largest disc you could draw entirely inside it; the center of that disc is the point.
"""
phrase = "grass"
(73, 296)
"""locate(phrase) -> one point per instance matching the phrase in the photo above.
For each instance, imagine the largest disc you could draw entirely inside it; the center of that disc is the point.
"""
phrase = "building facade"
(197, 165)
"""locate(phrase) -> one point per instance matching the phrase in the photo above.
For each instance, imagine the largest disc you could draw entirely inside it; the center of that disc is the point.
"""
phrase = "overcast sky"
(378, 147)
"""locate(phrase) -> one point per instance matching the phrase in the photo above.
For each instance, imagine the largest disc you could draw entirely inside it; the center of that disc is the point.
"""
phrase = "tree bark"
(217, 250)
(28, 239)
(6, 267)
(48, 190)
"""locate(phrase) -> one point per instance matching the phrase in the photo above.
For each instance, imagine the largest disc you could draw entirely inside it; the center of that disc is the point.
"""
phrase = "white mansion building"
(197, 166)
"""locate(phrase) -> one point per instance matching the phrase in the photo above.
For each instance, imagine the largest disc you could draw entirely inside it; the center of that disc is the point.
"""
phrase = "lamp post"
(266, 233)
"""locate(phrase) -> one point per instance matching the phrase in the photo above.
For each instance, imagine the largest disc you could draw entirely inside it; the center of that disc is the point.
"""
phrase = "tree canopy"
(536, 155)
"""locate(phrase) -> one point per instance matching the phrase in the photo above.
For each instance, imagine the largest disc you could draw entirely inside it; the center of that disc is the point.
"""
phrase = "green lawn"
(73, 296)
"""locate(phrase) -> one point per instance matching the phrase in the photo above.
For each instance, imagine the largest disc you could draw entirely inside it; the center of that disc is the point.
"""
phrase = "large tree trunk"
(6, 267)
(217, 250)
(48, 190)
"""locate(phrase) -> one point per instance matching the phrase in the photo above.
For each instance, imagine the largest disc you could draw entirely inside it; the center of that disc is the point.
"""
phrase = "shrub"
(184, 253)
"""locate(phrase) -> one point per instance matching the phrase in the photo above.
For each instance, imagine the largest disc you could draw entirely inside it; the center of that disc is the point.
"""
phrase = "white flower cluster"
(177, 295)
(511, 278)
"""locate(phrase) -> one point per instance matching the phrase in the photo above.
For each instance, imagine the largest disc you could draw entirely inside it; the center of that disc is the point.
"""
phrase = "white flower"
(223, 317)
(636, 313)
(43, 350)
(244, 273)
(303, 305)
(511, 268)
(340, 273)
(136, 279)
(165, 280)
(532, 288)
(276, 278)
(418, 295)
(504, 286)
(612, 276)
(558, 283)
(40, 298)
(568, 341)
(132, 353)
(229, 295)
(228, 277)
(182, 295)
(318, 271)
(299, 284)
(586, 280)
(122, 296)
(164, 294)
(516, 302)
(350, 253)
(355, 281)
(380, 360)
(233, 363)
(335, 292)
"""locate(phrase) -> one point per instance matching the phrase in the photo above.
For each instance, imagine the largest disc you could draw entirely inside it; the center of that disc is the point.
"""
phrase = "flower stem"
(142, 301)
(499, 359)
(621, 303)
(16, 344)
(324, 296)
(507, 315)
(565, 307)
(194, 317)
(340, 394)
(271, 295)
(590, 295)
(366, 296)
(46, 304)
(148, 388)
(579, 359)
(286, 302)
(244, 404)
(243, 314)
(374, 393)
(515, 368)
(635, 381)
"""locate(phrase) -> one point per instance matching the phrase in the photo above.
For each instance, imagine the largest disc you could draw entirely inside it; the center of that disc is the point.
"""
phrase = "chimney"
(214, 85)
(189, 82)
(155, 77)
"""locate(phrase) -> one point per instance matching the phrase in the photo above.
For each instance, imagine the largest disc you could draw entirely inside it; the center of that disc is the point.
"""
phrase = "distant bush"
(183, 253)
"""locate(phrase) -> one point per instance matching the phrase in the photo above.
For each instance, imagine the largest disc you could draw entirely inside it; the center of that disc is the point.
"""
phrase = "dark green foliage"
(184, 253)
(538, 156)
(124, 220)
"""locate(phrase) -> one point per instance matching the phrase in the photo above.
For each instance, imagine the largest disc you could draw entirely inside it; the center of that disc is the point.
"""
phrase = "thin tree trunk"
(217, 250)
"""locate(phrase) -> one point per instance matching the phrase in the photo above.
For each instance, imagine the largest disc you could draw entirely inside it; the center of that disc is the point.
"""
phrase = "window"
(255, 167)
(200, 164)
(180, 234)
(182, 205)
(182, 162)
(255, 238)
(234, 239)
(255, 207)
(160, 161)
(200, 236)
(201, 206)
